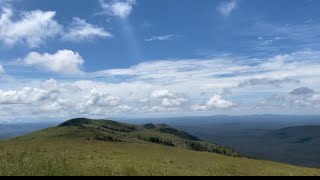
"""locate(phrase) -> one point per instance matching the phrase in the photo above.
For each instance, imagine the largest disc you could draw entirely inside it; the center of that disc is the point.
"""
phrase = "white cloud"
(60, 105)
(27, 95)
(63, 61)
(161, 38)
(100, 104)
(162, 94)
(124, 109)
(34, 28)
(224, 72)
(119, 8)
(31, 28)
(96, 99)
(227, 7)
(175, 102)
(80, 30)
(52, 98)
(54, 86)
(169, 99)
(216, 102)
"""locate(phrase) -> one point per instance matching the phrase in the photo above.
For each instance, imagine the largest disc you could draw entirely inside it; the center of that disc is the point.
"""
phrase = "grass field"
(79, 157)
(104, 148)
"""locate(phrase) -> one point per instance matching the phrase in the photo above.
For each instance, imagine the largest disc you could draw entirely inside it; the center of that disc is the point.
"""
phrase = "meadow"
(67, 157)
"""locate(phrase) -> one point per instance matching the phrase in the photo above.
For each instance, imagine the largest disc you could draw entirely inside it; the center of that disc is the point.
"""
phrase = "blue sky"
(133, 58)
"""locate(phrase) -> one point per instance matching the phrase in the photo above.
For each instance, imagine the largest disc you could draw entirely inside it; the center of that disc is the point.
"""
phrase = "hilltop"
(112, 131)
(101, 147)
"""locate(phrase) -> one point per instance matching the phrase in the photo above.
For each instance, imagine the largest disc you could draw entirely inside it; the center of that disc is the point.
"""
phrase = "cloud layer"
(287, 83)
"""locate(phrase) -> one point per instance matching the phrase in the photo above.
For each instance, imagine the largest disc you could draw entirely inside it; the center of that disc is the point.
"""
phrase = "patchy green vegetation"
(111, 131)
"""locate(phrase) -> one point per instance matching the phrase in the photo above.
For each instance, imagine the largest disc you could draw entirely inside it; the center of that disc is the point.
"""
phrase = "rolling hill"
(99, 147)
(296, 145)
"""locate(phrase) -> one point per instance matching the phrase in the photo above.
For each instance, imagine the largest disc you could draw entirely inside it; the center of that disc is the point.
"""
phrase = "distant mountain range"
(261, 136)
(18, 129)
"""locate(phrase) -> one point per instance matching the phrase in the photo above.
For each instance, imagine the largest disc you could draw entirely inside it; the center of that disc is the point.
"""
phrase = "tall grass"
(78, 157)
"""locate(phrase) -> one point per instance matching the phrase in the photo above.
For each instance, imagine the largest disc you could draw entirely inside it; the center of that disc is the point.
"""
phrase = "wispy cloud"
(167, 37)
(300, 36)
(80, 31)
(227, 7)
(272, 82)
(118, 8)
(1, 71)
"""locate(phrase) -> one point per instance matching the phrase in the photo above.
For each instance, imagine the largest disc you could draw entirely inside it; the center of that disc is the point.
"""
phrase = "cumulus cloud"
(30, 28)
(175, 102)
(27, 95)
(160, 38)
(169, 99)
(80, 30)
(60, 105)
(303, 97)
(63, 61)
(216, 102)
(227, 7)
(54, 86)
(61, 100)
(100, 103)
(118, 8)
(96, 99)
(163, 93)
(36, 102)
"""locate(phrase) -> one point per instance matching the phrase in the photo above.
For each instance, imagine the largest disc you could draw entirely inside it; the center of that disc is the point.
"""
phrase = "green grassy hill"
(87, 147)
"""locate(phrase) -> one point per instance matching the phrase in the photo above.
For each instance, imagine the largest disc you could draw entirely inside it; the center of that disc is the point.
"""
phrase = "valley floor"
(79, 157)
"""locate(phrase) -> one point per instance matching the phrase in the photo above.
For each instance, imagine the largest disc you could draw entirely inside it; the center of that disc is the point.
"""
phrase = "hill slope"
(111, 131)
(81, 147)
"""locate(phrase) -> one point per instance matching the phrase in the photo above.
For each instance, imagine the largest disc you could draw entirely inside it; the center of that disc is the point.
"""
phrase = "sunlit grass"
(79, 157)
